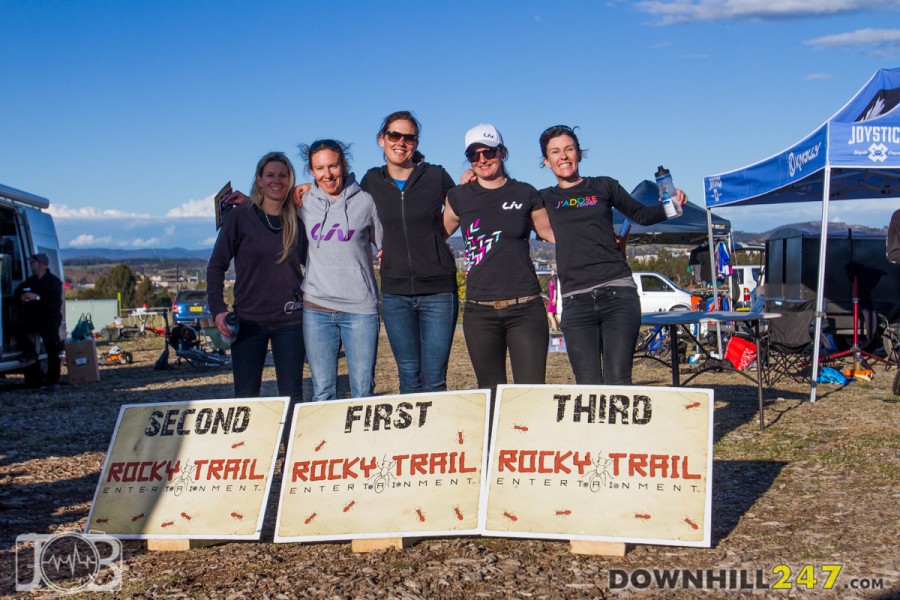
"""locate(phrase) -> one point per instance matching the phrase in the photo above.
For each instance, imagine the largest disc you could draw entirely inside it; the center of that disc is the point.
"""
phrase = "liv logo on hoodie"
(317, 234)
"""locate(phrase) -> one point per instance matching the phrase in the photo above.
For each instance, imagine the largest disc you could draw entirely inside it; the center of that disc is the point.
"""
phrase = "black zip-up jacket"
(416, 259)
(50, 289)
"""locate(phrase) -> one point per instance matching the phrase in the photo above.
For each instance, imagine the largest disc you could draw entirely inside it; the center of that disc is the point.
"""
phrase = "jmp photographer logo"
(68, 562)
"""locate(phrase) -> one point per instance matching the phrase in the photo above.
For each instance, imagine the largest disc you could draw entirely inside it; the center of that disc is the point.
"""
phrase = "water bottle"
(666, 191)
(233, 322)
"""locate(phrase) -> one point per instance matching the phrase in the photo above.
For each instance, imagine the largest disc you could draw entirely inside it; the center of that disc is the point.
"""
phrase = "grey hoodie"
(339, 271)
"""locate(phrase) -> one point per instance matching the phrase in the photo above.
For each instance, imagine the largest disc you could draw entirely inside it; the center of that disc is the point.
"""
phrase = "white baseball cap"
(485, 134)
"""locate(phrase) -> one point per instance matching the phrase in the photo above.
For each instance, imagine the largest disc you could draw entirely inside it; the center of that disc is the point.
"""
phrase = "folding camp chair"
(789, 340)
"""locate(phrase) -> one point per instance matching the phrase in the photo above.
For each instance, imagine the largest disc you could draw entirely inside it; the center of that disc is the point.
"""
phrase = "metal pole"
(712, 274)
(820, 287)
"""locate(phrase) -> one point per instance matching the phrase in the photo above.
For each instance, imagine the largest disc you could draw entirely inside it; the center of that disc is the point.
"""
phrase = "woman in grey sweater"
(340, 296)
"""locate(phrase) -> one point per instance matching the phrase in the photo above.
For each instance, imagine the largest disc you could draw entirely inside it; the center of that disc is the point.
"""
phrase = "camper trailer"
(25, 230)
(855, 266)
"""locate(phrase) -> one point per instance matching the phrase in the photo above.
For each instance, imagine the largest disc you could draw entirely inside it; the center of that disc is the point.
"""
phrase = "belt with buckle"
(501, 304)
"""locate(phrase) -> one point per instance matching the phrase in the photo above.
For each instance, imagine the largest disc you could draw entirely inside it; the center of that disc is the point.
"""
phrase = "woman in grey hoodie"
(340, 296)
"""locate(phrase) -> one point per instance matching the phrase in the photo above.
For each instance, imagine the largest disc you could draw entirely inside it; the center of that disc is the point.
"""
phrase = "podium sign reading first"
(618, 464)
(199, 470)
(385, 467)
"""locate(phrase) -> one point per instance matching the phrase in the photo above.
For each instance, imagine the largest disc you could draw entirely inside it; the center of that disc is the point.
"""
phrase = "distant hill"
(120, 254)
(456, 242)
(813, 226)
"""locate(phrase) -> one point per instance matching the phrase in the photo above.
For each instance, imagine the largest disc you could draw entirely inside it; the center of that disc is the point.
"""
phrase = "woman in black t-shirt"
(503, 310)
(601, 313)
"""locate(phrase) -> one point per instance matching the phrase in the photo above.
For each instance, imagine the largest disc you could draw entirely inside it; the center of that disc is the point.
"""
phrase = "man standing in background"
(39, 300)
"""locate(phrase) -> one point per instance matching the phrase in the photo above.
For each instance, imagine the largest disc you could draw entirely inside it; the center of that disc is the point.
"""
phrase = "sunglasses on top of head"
(394, 137)
(475, 154)
(327, 144)
(558, 129)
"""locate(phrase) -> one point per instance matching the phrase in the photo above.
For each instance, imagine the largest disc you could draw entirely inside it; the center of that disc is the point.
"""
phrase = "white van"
(25, 230)
(744, 279)
(657, 292)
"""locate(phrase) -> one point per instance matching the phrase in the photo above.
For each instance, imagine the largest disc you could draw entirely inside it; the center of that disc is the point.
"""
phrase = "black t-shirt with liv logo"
(496, 225)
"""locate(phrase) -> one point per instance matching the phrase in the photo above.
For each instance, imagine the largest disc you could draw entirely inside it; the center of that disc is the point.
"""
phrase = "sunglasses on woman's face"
(394, 137)
(476, 154)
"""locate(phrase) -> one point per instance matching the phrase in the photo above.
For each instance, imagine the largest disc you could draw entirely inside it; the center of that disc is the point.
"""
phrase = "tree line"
(138, 291)
(120, 279)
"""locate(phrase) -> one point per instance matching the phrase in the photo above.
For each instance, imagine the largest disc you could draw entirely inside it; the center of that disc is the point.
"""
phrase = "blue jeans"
(325, 332)
(601, 329)
(248, 355)
(420, 330)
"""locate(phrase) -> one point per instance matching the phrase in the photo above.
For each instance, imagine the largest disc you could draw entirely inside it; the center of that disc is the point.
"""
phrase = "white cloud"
(192, 208)
(159, 232)
(208, 241)
(148, 243)
(195, 208)
(878, 42)
(62, 211)
(678, 11)
(86, 240)
(817, 77)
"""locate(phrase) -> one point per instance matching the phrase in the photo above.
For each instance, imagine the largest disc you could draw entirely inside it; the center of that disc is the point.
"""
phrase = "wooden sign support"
(597, 548)
(179, 545)
(363, 545)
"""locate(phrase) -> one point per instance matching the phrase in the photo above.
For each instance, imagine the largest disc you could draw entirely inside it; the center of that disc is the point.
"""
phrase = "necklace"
(273, 227)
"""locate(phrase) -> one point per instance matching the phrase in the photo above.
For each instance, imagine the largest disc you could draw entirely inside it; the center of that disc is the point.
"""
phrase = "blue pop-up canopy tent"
(689, 228)
(853, 155)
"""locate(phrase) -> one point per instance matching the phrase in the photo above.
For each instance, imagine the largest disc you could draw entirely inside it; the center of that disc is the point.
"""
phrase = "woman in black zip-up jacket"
(418, 272)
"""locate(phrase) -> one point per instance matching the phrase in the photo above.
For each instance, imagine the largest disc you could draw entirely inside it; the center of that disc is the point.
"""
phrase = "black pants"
(21, 330)
(521, 328)
(248, 356)
(601, 329)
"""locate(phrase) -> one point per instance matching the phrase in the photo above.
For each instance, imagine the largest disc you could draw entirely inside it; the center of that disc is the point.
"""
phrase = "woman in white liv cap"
(503, 309)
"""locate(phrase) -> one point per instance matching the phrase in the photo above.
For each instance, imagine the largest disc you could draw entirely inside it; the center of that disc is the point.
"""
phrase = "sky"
(129, 116)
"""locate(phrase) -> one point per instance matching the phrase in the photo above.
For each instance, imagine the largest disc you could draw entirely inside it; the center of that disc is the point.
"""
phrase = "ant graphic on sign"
(597, 477)
(185, 479)
(383, 476)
